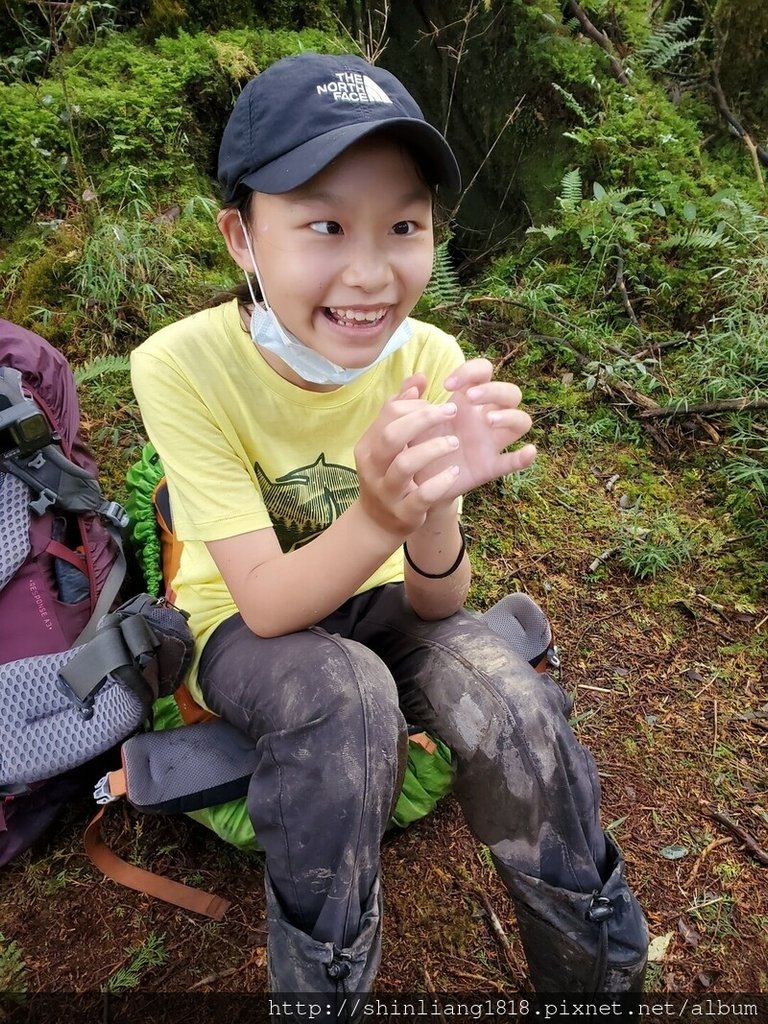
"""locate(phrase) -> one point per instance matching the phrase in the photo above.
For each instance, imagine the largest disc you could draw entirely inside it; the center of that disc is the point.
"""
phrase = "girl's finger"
(412, 460)
(475, 371)
(495, 392)
(413, 386)
(514, 462)
(405, 428)
(435, 488)
(514, 420)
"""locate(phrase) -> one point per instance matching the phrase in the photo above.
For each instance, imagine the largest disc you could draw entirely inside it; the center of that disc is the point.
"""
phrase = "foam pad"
(520, 621)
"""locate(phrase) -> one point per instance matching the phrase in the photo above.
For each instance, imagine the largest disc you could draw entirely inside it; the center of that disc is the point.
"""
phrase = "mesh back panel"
(163, 766)
(41, 734)
(14, 525)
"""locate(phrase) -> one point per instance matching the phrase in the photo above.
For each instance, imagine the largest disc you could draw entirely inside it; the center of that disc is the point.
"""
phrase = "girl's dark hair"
(241, 292)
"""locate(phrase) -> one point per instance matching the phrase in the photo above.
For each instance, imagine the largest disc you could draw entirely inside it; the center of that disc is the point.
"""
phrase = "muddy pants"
(328, 708)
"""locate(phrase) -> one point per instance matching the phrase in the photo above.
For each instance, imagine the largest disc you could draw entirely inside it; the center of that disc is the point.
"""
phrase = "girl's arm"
(280, 593)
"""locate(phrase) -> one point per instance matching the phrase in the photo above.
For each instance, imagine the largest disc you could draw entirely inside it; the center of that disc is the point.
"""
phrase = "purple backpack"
(61, 560)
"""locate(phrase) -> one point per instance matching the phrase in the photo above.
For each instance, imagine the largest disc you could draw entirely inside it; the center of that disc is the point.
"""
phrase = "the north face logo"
(352, 87)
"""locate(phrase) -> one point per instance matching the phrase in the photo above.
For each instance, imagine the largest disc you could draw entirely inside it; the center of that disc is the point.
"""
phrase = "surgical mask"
(267, 331)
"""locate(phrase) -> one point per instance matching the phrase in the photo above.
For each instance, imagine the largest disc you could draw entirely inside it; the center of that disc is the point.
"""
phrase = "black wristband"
(439, 575)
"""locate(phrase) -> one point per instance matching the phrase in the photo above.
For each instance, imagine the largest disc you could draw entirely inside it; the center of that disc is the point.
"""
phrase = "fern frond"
(100, 366)
(443, 287)
(572, 103)
(666, 43)
(698, 238)
(570, 190)
(618, 195)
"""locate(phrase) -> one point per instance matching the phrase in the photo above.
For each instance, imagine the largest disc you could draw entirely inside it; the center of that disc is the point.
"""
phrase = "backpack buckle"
(102, 793)
(43, 501)
(115, 514)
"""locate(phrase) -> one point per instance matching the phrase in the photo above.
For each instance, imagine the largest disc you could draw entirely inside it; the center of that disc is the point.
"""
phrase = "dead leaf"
(688, 933)
(657, 949)
(673, 852)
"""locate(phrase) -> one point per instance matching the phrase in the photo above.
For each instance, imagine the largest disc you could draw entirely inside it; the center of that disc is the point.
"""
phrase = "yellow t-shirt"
(244, 449)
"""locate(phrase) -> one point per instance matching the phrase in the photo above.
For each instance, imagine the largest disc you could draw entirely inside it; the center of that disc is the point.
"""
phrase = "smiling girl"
(317, 442)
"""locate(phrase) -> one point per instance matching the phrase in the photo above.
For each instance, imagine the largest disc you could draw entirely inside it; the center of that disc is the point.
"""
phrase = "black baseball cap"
(300, 113)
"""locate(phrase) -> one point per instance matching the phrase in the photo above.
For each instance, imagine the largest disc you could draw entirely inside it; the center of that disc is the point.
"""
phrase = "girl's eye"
(326, 227)
(404, 227)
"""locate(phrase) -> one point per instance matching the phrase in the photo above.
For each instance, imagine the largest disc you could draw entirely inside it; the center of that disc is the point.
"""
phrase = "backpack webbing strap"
(121, 647)
(108, 593)
(185, 896)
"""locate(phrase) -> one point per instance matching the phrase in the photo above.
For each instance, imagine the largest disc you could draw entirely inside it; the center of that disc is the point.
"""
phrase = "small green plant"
(667, 43)
(151, 953)
(13, 969)
(663, 544)
(443, 288)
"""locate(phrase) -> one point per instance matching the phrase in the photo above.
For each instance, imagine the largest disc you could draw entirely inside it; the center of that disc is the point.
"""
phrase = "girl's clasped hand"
(418, 454)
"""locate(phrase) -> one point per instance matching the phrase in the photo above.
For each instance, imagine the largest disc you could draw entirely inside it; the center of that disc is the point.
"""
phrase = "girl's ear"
(231, 228)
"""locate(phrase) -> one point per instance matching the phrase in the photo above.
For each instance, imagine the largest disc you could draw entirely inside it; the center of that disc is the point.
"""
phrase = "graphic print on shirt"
(304, 502)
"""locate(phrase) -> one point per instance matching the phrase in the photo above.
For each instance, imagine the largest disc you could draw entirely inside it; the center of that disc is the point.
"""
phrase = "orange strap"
(114, 867)
(421, 739)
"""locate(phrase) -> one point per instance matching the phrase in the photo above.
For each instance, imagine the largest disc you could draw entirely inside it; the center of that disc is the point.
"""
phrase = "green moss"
(146, 115)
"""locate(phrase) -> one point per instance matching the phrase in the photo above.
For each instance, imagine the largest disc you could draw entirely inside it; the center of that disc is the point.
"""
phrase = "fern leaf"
(697, 238)
(572, 103)
(443, 287)
(666, 43)
(570, 190)
(102, 365)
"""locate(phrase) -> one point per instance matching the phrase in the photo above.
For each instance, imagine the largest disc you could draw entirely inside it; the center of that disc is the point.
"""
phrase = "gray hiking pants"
(328, 708)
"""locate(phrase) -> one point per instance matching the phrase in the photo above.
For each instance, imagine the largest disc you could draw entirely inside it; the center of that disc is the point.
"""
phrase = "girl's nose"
(368, 268)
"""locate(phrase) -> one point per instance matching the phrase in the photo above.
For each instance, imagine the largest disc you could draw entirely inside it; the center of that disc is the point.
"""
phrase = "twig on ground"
(654, 347)
(431, 989)
(600, 38)
(495, 923)
(723, 405)
(211, 978)
(621, 284)
(749, 841)
(757, 153)
(602, 558)
(722, 841)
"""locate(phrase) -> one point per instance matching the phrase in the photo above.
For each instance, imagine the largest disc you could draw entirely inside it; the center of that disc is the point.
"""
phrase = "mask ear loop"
(249, 247)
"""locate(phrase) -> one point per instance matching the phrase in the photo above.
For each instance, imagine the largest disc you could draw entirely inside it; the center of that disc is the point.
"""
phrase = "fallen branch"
(749, 841)
(724, 405)
(758, 154)
(705, 852)
(602, 559)
(600, 38)
(621, 284)
(654, 347)
(431, 989)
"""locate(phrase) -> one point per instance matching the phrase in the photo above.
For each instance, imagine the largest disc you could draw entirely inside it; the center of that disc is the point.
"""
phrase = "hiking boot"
(581, 942)
(298, 965)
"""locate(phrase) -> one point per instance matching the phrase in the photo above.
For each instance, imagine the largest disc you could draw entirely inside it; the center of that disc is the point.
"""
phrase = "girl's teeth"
(357, 315)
